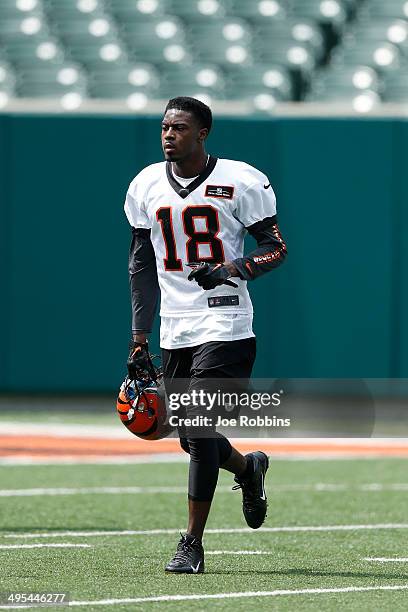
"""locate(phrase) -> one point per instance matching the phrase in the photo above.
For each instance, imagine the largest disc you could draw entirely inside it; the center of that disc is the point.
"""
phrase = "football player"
(189, 216)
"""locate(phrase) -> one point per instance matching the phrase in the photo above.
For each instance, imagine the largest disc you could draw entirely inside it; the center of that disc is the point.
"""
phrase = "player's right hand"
(139, 363)
(209, 276)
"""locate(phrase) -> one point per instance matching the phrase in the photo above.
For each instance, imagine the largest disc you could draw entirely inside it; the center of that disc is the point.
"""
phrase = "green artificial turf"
(130, 566)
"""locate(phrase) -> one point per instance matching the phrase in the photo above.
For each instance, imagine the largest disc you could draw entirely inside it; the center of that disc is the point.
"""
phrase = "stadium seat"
(331, 12)
(45, 90)
(381, 30)
(19, 9)
(114, 91)
(352, 4)
(142, 9)
(24, 27)
(122, 81)
(74, 9)
(168, 91)
(223, 53)
(198, 11)
(83, 27)
(289, 54)
(351, 77)
(297, 30)
(381, 56)
(156, 40)
(254, 93)
(231, 30)
(224, 42)
(344, 82)
(397, 93)
(34, 51)
(204, 78)
(396, 85)
(204, 81)
(52, 81)
(98, 54)
(259, 11)
(161, 54)
(259, 78)
(7, 77)
(85, 7)
(362, 101)
(165, 28)
(375, 9)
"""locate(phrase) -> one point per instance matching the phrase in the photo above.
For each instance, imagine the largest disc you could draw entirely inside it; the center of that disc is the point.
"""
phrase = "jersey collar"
(183, 192)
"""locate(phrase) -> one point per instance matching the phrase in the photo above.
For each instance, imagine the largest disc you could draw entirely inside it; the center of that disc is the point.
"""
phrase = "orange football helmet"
(141, 407)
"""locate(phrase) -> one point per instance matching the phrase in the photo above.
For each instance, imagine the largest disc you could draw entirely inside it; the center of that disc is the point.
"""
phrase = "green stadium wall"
(336, 308)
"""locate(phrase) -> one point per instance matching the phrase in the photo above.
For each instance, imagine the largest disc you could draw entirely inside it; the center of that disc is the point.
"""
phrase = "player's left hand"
(139, 363)
(209, 276)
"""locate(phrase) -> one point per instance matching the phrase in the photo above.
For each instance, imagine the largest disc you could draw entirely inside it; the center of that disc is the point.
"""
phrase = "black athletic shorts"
(233, 359)
(201, 368)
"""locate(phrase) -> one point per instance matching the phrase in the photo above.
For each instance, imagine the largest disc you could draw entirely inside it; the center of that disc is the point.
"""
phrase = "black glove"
(139, 363)
(209, 276)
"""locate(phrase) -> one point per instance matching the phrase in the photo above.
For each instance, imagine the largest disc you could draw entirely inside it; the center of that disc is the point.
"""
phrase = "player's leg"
(176, 365)
(189, 557)
(231, 459)
(212, 361)
(235, 360)
(236, 463)
(203, 476)
(208, 452)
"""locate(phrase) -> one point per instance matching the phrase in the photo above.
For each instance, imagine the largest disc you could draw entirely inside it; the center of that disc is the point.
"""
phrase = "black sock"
(249, 470)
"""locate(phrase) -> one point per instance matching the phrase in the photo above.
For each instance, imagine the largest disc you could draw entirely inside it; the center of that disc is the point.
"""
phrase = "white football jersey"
(204, 221)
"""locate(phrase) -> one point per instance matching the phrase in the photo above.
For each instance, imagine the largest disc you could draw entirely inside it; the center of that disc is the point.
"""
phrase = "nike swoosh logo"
(267, 186)
(195, 569)
(263, 496)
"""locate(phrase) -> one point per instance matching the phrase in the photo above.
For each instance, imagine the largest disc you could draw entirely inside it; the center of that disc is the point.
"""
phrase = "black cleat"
(189, 558)
(254, 500)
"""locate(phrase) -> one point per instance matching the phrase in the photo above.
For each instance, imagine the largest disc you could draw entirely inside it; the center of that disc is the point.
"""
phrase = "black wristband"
(134, 343)
(244, 269)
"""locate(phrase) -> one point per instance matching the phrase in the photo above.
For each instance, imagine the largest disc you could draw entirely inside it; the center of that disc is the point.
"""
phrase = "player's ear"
(202, 134)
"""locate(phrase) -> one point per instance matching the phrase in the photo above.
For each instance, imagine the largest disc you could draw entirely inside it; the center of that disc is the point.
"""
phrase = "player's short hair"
(198, 109)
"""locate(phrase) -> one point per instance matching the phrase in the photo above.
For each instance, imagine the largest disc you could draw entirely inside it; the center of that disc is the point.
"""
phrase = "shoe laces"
(249, 496)
(184, 548)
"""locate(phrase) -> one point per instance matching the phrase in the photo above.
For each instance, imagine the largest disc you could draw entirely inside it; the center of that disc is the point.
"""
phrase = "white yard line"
(146, 532)
(398, 486)
(94, 490)
(11, 460)
(387, 559)
(28, 460)
(238, 595)
(239, 552)
(318, 487)
(6, 546)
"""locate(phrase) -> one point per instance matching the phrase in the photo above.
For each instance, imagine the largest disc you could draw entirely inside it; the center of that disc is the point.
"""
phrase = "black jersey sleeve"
(144, 286)
(270, 253)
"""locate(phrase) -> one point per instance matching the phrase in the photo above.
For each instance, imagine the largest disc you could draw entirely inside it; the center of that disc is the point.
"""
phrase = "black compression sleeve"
(270, 253)
(144, 286)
